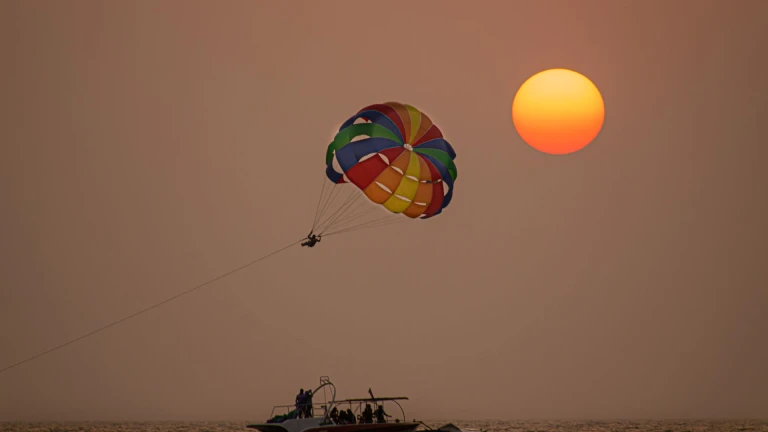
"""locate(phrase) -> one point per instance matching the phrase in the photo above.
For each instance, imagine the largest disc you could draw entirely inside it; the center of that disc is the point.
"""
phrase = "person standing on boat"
(380, 414)
(308, 403)
(367, 414)
(300, 403)
(350, 417)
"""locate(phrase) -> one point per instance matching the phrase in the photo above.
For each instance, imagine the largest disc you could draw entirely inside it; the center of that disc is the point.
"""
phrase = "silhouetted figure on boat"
(300, 403)
(350, 416)
(380, 414)
(343, 417)
(312, 240)
(308, 403)
(367, 414)
(335, 415)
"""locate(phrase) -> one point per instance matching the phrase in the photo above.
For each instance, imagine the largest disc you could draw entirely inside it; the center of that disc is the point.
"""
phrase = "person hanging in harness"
(312, 240)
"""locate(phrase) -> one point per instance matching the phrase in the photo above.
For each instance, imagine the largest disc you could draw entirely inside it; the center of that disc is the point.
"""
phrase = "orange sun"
(558, 111)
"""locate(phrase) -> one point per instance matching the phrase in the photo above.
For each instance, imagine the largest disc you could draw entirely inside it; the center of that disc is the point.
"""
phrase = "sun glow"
(558, 111)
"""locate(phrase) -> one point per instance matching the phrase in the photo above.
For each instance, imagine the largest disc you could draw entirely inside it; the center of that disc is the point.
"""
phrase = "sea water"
(473, 426)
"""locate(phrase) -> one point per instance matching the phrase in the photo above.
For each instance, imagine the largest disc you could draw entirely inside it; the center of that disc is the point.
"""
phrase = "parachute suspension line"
(353, 216)
(147, 309)
(345, 222)
(326, 200)
(344, 205)
(334, 192)
(331, 218)
(384, 220)
(347, 204)
(371, 226)
(346, 216)
(319, 200)
(365, 226)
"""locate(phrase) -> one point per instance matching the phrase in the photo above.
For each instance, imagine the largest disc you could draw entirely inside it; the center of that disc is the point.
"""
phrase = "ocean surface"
(473, 426)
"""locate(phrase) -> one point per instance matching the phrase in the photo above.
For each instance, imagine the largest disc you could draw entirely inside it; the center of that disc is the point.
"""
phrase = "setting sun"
(558, 111)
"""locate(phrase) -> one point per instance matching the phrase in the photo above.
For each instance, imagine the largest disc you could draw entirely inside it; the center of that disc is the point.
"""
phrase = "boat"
(319, 417)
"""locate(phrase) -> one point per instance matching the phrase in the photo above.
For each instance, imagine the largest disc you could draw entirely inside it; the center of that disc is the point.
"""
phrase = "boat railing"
(319, 409)
(323, 409)
(359, 403)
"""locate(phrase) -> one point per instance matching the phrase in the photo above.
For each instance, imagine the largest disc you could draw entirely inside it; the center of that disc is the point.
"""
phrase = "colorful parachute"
(403, 162)
(394, 156)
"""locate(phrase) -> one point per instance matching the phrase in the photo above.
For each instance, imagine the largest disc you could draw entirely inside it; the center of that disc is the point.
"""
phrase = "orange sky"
(149, 146)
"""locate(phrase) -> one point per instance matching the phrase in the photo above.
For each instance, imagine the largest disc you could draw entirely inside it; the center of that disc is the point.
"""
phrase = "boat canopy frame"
(327, 408)
(375, 400)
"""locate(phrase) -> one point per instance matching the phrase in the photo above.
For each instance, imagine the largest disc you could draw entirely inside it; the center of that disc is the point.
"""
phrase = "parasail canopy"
(397, 157)
(394, 156)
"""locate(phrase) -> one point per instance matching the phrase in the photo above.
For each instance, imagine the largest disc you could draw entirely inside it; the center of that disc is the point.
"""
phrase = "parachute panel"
(414, 167)
(400, 164)
(396, 203)
(406, 190)
(391, 154)
(404, 116)
(381, 114)
(444, 161)
(436, 202)
(432, 133)
(423, 194)
(376, 193)
(438, 144)
(363, 173)
(426, 124)
(389, 178)
(414, 210)
(415, 117)
(351, 154)
(345, 136)
(332, 175)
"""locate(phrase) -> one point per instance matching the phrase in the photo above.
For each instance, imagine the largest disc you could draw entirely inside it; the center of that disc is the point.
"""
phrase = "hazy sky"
(149, 146)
